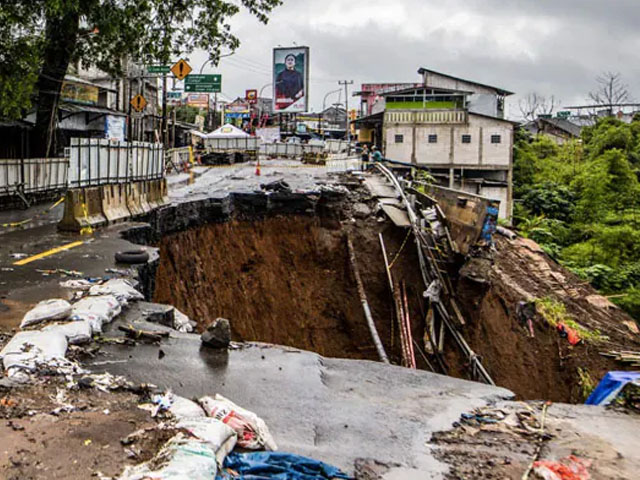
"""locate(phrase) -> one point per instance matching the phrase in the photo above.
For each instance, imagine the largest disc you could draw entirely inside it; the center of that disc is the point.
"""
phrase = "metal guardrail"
(94, 161)
(32, 175)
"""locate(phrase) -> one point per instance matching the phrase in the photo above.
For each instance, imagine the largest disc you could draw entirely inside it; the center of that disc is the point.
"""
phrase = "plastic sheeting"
(277, 466)
(610, 386)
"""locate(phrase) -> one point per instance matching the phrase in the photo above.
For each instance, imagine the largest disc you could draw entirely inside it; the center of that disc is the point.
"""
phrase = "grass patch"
(586, 383)
(555, 312)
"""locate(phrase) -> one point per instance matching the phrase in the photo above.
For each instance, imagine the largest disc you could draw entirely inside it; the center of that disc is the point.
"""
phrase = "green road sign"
(203, 83)
(158, 68)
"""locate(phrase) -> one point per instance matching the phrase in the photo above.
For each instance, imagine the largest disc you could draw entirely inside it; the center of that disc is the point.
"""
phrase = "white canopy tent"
(227, 131)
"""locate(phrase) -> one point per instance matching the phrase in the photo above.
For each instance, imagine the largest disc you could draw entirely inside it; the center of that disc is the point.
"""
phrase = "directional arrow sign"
(181, 69)
(203, 83)
(138, 103)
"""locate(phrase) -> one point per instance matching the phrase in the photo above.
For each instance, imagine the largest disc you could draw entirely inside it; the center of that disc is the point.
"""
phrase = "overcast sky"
(548, 46)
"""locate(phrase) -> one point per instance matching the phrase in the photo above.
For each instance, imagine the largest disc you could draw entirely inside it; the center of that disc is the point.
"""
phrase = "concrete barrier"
(114, 203)
(143, 192)
(133, 200)
(82, 209)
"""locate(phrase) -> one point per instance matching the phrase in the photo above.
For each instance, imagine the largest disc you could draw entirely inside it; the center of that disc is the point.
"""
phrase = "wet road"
(331, 409)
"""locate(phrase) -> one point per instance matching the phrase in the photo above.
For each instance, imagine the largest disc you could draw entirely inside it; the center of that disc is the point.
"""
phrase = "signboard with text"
(203, 83)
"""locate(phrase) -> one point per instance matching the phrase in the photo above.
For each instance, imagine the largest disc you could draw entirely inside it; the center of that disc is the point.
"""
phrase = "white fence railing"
(94, 161)
(225, 144)
(289, 149)
(32, 175)
(346, 165)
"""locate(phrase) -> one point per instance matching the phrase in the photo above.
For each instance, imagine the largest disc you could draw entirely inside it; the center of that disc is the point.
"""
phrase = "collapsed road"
(276, 264)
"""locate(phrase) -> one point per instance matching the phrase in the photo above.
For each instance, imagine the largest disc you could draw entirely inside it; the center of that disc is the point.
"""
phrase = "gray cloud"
(551, 47)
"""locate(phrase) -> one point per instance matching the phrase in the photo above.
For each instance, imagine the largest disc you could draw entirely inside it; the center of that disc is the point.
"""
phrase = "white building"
(453, 126)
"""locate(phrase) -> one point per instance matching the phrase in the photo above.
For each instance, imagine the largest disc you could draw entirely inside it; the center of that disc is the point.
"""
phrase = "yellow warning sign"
(138, 103)
(181, 69)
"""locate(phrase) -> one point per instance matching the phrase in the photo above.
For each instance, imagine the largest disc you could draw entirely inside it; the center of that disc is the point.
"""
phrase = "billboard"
(291, 79)
(76, 92)
(200, 100)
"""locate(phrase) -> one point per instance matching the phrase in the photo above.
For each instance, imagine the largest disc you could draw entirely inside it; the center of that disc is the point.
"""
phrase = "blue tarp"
(610, 386)
(278, 466)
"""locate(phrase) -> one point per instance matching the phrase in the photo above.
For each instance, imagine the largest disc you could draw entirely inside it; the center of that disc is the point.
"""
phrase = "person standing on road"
(365, 157)
(377, 156)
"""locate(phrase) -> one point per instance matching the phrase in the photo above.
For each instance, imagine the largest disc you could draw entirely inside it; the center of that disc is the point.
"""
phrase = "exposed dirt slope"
(545, 366)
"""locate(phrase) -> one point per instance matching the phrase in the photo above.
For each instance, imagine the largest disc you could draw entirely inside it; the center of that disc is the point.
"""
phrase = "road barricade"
(133, 200)
(143, 192)
(114, 203)
(82, 210)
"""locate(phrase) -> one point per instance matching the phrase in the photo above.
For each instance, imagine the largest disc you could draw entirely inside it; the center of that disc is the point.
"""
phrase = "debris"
(155, 336)
(18, 256)
(184, 324)
(118, 271)
(252, 432)
(52, 309)
(29, 348)
(292, 467)
(360, 210)
(526, 312)
(62, 271)
(600, 301)
(570, 468)
(217, 334)
(7, 269)
(276, 186)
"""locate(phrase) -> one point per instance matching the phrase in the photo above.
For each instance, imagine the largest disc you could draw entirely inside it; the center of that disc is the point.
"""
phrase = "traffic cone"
(258, 167)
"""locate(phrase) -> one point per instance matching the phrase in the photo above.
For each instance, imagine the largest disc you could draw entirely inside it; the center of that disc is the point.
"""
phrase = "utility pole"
(163, 128)
(346, 107)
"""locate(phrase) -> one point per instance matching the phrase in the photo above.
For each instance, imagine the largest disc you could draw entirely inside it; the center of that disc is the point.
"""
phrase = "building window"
(433, 138)
(466, 138)
(496, 139)
(399, 138)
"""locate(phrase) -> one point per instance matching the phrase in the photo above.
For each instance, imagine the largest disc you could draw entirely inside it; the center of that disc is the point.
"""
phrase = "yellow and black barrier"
(114, 203)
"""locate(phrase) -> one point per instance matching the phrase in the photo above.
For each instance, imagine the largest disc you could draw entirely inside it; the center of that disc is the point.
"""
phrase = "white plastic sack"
(26, 349)
(76, 332)
(80, 284)
(184, 408)
(96, 310)
(252, 432)
(52, 309)
(181, 458)
(181, 322)
(120, 288)
(220, 436)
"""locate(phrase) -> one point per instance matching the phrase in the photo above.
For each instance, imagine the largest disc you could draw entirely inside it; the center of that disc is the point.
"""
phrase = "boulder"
(217, 334)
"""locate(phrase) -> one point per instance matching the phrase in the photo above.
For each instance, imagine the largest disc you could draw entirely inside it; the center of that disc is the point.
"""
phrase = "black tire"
(132, 256)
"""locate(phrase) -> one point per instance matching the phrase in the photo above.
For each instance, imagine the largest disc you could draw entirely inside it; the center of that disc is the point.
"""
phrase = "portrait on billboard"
(290, 79)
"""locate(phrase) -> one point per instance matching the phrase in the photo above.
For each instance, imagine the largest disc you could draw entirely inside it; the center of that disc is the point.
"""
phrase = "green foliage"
(581, 202)
(555, 313)
(587, 384)
(106, 33)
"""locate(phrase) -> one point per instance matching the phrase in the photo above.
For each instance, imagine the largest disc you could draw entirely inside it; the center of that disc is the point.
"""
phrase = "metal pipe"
(365, 305)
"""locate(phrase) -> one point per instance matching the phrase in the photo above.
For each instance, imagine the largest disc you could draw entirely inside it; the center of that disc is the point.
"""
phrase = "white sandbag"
(96, 310)
(52, 309)
(27, 349)
(76, 333)
(184, 408)
(79, 284)
(120, 288)
(181, 322)
(252, 432)
(181, 458)
(220, 436)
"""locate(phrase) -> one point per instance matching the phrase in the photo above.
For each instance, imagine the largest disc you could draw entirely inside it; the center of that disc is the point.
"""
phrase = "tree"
(105, 33)
(534, 105)
(610, 91)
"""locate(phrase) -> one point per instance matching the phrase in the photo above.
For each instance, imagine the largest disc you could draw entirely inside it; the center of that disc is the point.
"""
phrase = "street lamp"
(215, 95)
(324, 101)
